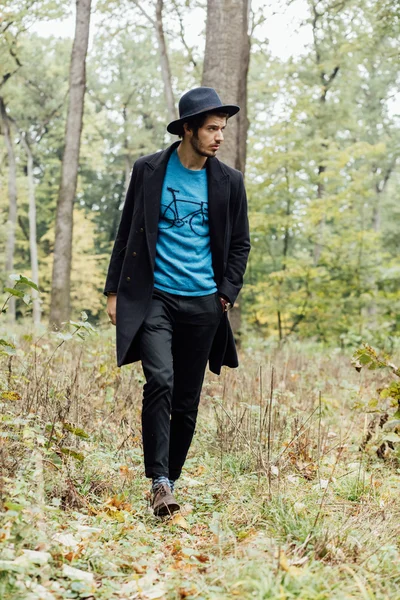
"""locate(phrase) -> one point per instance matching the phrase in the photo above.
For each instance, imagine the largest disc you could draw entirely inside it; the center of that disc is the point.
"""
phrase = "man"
(176, 268)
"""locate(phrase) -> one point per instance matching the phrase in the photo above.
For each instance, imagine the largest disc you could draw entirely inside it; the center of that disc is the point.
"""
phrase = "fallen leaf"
(36, 557)
(286, 566)
(114, 501)
(139, 569)
(283, 561)
(187, 508)
(186, 592)
(157, 593)
(199, 471)
(117, 504)
(77, 574)
(203, 558)
(70, 556)
(179, 520)
(86, 530)
(126, 472)
(10, 565)
(66, 539)
(192, 482)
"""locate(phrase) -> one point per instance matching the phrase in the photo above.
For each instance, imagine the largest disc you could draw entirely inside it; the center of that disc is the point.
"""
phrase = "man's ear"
(187, 129)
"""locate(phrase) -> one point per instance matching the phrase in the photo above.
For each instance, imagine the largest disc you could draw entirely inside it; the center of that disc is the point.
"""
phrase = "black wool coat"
(131, 269)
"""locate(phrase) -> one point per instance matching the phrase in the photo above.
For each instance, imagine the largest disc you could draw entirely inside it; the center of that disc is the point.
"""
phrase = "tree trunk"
(32, 235)
(12, 203)
(226, 64)
(127, 158)
(61, 281)
(164, 60)
(326, 81)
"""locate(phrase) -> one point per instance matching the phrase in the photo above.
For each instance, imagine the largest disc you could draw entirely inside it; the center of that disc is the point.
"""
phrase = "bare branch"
(182, 34)
(333, 75)
(6, 27)
(145, 13)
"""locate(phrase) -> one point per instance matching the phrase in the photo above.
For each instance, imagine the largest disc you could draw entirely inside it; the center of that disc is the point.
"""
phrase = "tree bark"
(32, 234)
(12, 203)
(61, 281)
(128, 165)
(164, 60)
(326, 81)
(226, 64)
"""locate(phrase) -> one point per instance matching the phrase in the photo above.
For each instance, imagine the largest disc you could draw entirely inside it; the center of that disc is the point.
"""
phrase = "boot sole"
(166, 509)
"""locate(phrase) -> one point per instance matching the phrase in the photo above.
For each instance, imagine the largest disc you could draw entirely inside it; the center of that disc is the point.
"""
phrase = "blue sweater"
(183, 255)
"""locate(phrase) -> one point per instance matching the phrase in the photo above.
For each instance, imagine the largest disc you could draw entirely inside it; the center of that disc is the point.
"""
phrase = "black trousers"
(175, 343)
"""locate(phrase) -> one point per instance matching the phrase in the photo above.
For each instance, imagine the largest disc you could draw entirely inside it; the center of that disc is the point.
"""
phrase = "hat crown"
(198, 99)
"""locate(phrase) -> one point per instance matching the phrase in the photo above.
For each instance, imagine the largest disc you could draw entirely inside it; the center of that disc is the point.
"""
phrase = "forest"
(292, 481)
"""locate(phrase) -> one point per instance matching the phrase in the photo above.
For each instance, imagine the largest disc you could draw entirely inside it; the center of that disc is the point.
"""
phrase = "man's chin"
(206, 153)
(210, 153)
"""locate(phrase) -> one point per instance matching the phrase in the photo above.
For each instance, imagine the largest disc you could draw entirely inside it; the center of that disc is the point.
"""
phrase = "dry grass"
(279, 502)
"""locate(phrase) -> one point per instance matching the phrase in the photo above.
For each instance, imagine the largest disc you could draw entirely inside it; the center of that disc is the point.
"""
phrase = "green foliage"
(320, 177)
(322, 168)
(7, 347)
(389, 425)
(369, 357)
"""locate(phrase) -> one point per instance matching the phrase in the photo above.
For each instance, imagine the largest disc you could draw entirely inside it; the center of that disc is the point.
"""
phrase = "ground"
(278, 500)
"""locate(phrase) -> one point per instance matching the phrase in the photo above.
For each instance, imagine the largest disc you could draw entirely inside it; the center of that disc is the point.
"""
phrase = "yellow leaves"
(200, 470)
(246, 533)
(115, 507)
(187, 592)
(285, 565)
(118, 503)
(13, 396)
(126, 472)
(180, 521)
(87, 267)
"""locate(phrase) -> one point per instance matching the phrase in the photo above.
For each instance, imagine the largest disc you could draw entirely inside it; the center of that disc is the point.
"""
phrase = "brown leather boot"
(163, 502)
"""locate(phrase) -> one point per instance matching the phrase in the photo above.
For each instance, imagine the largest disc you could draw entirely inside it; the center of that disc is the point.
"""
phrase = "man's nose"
(220, 136)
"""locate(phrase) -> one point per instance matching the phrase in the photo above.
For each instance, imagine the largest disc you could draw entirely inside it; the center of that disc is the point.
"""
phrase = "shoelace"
(161, 490)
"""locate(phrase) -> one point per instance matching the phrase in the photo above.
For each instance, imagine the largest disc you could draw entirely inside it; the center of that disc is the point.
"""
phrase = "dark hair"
(196, 122)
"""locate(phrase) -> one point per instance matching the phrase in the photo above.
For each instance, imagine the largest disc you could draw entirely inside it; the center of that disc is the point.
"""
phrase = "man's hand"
(226, 305)
(112, 308)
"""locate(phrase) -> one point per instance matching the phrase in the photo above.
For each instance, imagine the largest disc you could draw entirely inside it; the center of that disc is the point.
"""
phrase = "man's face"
(209, 137)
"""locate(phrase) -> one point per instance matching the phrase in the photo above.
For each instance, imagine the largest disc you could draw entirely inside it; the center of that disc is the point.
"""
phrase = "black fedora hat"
(198, 101)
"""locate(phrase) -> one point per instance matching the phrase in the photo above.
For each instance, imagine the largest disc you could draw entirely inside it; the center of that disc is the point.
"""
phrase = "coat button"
(141, 230)
(133, 253)
(128, 278)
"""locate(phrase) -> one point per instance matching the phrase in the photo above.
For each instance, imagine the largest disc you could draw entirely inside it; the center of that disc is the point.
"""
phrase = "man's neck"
(189, 158)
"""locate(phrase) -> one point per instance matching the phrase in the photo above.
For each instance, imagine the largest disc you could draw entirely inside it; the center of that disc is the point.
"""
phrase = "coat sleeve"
(239, 248)
(118, 253)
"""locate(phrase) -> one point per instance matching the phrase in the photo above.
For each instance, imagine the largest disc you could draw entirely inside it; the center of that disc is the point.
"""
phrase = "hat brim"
(175, 127)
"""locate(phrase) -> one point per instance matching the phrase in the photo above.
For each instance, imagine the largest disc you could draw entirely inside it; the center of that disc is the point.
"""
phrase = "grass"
(278, 501)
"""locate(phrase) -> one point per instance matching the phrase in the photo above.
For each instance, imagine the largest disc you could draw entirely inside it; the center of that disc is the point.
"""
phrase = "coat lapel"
(218, 200)
(153, 179)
